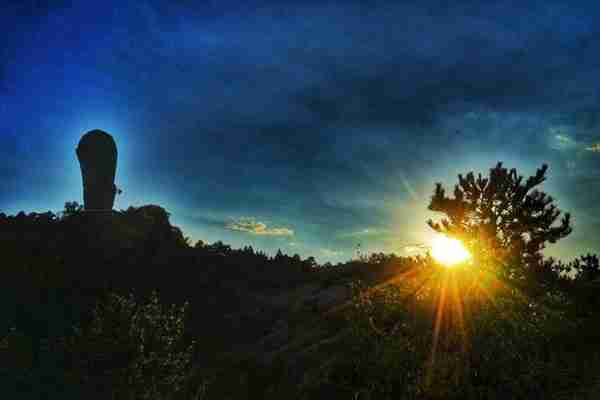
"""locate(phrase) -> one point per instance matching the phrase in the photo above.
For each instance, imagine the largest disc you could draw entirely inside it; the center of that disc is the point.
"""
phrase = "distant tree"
(310, 263)
(586, 268)
(584, 289)
(501, 217)
(262, 254)
(378, 258)
(279, 255)
(72, 208)
(219, 247)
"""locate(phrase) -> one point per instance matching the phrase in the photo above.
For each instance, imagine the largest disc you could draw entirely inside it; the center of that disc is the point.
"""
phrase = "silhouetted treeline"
(57, 268)
(64, 274)
(84, 254)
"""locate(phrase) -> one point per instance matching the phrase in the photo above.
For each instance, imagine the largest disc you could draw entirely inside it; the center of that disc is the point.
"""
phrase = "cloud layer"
(334, 118)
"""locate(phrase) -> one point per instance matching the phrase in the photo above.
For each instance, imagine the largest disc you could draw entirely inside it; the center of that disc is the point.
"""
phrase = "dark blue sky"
(309, 126)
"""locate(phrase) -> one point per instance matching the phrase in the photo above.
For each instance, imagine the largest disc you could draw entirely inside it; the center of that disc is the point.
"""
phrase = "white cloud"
(249, 225)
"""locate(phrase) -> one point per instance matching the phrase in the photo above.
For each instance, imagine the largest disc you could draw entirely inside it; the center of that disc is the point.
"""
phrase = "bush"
(408, 344)
(131, 350)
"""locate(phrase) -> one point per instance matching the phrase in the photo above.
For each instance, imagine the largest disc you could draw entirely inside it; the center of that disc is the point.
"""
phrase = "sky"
(310, 126)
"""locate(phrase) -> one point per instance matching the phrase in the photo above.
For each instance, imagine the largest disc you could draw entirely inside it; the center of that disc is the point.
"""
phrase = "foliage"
(500, 349)
(500, 217)
(67, 329)
(586, 267)
(59, 270)
(131, 350)
(72, 208)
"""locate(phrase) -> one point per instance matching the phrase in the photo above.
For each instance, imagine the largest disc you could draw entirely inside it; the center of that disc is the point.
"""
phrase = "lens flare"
(448, 251)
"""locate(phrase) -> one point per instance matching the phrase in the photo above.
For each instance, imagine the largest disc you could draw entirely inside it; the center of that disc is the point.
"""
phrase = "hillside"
(263, 327)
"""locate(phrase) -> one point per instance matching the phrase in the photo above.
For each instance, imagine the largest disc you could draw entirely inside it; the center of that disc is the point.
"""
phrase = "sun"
(448, 251)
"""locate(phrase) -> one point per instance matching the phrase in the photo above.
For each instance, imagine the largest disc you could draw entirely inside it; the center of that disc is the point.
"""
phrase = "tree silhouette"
(586, 267)
(500, 217)
(72, 208)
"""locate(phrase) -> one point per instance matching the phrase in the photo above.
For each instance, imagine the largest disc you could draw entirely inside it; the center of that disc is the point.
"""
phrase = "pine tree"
(500, 217)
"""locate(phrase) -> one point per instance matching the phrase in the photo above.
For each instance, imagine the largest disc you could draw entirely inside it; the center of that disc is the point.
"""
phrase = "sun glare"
(448, 251)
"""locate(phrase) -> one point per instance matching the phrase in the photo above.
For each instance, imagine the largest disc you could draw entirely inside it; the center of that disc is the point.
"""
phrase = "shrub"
(131, 350)
(407, 345)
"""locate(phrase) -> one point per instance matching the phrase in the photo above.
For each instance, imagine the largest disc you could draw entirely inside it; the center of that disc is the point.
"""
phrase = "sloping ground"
(294, 343)
(244, 307)
(264, 326)
(308, 332)
(303, 330)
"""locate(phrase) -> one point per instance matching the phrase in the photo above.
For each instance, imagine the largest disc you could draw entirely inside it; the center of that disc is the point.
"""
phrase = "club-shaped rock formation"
(97, 154)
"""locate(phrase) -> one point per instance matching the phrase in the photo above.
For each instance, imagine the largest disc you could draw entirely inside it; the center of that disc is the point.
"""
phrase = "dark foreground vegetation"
(123, 306)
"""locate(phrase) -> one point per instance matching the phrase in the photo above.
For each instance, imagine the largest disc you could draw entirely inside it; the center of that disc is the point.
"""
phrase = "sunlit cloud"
(415, 248)
(250, 225)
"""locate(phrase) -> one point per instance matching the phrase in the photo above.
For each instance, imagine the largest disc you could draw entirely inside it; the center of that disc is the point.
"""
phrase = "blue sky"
(307, 126)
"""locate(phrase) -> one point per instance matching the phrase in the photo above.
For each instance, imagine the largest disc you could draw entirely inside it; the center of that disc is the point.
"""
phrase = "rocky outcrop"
(97, 154)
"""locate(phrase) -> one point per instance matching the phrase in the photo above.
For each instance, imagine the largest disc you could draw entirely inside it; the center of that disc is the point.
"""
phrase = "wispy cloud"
(561, 138)
(366, 232)
(331, 253)
(594, 147)
(250, 225)
(415, 248)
